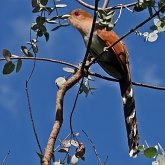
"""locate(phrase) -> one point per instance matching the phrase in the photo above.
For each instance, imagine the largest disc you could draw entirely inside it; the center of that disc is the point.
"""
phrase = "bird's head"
(81, 20)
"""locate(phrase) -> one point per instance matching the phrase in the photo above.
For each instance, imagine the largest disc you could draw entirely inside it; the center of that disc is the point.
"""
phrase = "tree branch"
(41, 59)
(107, 8)
(59, 115)
(134, 83)
(105, 4)
(90, 36)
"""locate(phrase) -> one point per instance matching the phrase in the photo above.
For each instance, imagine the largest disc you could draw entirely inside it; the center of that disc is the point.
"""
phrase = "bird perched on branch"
(115, 62)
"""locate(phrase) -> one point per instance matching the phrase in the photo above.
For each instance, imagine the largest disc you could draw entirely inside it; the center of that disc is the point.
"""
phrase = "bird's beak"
(66, 16)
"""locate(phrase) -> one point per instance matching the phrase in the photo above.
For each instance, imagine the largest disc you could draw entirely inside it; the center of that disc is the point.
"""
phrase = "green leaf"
(24, 50)
(150, 152)
(153, 27)
(30, 54)
(44, 2)
(140, 147)
(6, 54)
(34, 3)
(35, 47)
(40, 20)
(46, 36)
(19, 65)
(39, 33)
(34, 26)
(37, 9)
(8, 67)
(42, 28)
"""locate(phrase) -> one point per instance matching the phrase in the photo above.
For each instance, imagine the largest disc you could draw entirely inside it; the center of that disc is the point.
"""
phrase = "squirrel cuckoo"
(115, 62)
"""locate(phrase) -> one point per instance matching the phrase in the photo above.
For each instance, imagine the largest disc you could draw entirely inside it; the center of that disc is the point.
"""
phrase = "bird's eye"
(76, 13)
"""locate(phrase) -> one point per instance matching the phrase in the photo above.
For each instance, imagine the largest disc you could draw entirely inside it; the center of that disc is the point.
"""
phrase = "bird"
(115, 62)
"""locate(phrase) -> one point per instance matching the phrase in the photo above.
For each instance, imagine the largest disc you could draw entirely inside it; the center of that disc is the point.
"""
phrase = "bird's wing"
(114, 61)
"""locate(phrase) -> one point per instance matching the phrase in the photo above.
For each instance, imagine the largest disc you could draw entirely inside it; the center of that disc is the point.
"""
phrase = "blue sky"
(100, 114)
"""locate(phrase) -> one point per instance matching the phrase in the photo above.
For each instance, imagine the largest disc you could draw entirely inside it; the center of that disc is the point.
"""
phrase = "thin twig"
(105, 4)
(31, 118)
(108, 8)
(134, 83)
(120, 11)
(5, 158)
(74, 106)
(94, 148)
(41, 59)
(90, 37)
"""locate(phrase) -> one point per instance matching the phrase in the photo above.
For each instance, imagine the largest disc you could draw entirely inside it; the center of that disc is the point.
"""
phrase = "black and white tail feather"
(130, 115)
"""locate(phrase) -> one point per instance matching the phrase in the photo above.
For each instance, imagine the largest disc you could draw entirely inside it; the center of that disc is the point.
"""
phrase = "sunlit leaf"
(51, 21)
(74, 159)
(60, 5)
(69, 70)
(66, 143)
(74, 143)
(58, 163)
(24, 50)
(64, 150)
(152, 37)
(37, 9)
(59, 81)
(6, 54)
(150, 152)
(8, 67)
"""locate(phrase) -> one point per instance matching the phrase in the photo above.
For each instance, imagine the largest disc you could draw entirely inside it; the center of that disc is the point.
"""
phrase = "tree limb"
(134, 83)
(59, 115)
(107, 8)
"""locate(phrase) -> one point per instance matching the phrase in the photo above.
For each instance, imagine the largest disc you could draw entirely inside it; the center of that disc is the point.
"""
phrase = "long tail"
(130, 115)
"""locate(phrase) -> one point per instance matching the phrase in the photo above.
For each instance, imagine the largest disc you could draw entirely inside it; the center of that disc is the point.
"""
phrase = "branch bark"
(46, 160)
(107, 8)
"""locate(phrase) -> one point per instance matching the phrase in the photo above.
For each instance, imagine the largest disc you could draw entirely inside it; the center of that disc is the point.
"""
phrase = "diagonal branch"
(105, 4)
(59, 116)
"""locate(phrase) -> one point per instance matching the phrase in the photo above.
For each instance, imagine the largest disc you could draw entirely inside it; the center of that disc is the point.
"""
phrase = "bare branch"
(32, 119)
(91, 35)
(105, 5)
(4, 160)
(107, 8)
(134, 83)
(41, 59)
(59, 116)
(94, 148)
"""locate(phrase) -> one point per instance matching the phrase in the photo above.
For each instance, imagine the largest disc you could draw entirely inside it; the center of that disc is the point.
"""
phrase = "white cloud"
(150, 75)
